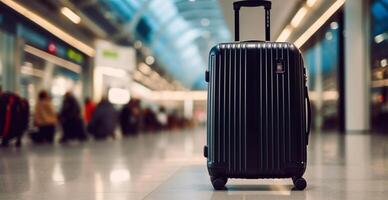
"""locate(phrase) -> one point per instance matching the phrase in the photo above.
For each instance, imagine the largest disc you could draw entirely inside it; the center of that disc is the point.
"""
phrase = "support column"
(8, 58)
(357, 109)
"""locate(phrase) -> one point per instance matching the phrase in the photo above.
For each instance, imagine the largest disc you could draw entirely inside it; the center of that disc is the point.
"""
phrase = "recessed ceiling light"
(334, 25)
(384, 63)
(380, 38)
(284, 35)
(71, 15)
(311, 3)
(150, 60)
(298, 17)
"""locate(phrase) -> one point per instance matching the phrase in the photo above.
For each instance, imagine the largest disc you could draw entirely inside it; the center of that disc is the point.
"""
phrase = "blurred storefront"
(113, 64)
(323, 60)
(33, 59)
(379, 64)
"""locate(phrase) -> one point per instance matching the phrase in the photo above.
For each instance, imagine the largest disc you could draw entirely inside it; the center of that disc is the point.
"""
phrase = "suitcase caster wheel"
(299, 183)
(218, 183)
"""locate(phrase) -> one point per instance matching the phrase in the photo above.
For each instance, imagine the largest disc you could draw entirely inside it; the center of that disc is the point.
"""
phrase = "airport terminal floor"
(170, 165)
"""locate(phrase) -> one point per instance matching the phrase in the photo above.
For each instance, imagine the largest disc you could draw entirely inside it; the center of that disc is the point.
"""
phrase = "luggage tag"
(280, 68)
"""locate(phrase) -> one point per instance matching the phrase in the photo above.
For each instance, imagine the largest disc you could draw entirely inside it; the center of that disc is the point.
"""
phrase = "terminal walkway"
(170, 166)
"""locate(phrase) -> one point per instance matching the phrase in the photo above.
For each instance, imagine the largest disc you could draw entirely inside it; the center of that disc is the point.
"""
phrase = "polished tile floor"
(171, 166)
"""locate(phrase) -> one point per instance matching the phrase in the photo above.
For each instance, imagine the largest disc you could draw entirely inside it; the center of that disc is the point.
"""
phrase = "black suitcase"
(258, 109)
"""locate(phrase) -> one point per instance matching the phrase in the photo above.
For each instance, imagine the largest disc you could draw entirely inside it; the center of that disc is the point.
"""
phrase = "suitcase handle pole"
(251, 3)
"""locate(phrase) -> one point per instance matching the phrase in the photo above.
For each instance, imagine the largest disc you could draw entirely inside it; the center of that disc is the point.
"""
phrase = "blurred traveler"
(89, 109)
(14, 117)
(45, 119)
(150, 121)
(173, 120)
(130, 117)
(71, 119)
(104, 120)
(162, 117)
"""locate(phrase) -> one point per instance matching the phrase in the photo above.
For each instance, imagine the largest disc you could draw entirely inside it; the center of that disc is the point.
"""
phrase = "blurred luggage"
(104, 121)
(130, 116)
(14, 117)
(258, 124)
(43, 134)
(71, 120)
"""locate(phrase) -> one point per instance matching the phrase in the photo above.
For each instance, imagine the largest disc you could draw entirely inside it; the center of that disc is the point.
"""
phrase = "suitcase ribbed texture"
(255, 123)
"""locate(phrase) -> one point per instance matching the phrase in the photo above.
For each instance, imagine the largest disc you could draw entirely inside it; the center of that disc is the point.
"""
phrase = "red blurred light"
(52, 48)
(380, 99)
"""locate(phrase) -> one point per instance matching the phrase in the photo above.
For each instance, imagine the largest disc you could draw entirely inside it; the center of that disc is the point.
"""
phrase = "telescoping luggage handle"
(251, 3)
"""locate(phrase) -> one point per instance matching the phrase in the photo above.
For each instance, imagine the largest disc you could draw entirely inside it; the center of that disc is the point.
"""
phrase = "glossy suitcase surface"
(257, 104)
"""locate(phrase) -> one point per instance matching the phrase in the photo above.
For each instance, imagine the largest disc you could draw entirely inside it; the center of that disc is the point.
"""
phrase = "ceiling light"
(284, 35)
(150, 60)
(71, 15)
(298, 17)
(66, 37)
(192, 0)
(334, 25)
(383, 62)
(205, 22)
(320, 21)
(311, 3)
(380, 38)
(119, 96)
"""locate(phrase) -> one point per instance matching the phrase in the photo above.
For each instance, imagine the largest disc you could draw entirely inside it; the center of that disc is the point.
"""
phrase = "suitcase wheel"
(219, 182)
(299, 183)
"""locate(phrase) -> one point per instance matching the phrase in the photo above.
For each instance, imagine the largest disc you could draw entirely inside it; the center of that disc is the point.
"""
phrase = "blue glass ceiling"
(179, 33)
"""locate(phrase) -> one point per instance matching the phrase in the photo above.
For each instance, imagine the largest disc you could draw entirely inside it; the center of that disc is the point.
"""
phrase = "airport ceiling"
(178, 33)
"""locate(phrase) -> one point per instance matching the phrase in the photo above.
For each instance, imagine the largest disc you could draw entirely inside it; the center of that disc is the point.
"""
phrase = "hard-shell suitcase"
(258, 109)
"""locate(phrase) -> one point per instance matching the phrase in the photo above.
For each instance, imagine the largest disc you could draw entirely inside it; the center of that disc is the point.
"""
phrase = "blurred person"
(130, 117)
(14, 118)
(173, 120)
(71, 119)
(150, 121)
(45, 119)
(104, 120)
(89, 109)
(162, 117)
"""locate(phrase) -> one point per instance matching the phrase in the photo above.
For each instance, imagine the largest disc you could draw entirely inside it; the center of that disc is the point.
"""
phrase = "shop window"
(322, 60)
(379, 65)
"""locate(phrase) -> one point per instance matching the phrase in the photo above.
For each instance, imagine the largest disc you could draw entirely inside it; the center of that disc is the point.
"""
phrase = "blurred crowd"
(75, 122)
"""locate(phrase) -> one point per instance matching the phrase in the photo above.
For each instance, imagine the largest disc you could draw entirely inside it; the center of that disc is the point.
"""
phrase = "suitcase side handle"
(308, 113)
(251, 3)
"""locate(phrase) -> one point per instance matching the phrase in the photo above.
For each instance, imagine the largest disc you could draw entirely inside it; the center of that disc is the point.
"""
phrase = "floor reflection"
(171, 166)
